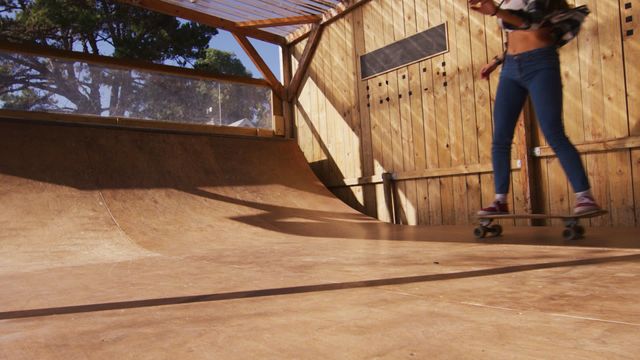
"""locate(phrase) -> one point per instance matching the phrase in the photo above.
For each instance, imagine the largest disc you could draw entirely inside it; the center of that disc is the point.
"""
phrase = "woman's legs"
(545, 88)
(536, 73)
(510, 98)
(546, 94)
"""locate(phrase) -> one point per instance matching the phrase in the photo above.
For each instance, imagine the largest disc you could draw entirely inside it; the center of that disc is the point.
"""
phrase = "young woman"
(531, 66)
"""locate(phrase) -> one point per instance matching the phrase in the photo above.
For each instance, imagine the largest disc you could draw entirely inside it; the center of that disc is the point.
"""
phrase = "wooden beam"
(294, 20)
(425, 174)
(132, 123)
(287, 74)
(260, 64)
(342, 9)
(305, 61)
(629, 142)
(37, 50)
(205, 19)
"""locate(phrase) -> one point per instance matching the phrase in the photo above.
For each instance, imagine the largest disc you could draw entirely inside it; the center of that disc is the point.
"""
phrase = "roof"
(268, 20)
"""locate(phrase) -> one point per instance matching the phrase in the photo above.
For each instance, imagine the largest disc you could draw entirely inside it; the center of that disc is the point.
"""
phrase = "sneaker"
(585, 205)
(496, 208)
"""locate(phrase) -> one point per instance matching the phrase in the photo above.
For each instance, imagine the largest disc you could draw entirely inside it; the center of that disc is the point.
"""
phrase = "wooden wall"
(429, 124)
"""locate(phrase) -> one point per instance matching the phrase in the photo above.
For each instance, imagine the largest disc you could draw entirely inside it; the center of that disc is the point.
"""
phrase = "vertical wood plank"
(335, 101)
(311, 113)
(428, 18)
(470, 183)
(593, 107)
(495, 47)
(363, 94)
(393, 150)
(482, 102)
(572, 99)
(357, 109)
(418, 117)
(323, 127)
(631, 45)
(407, 28)
(372, 18)
(619, 163)
(456, 136)
(442, 116)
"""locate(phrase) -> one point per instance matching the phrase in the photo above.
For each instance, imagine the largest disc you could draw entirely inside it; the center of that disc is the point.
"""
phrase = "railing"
(38, 79)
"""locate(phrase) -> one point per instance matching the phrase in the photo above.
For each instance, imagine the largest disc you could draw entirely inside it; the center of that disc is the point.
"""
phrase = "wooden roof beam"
(314, 38)
(294, 20)
(126, 64)
(205, 19)
(260, 64)
(343, 8)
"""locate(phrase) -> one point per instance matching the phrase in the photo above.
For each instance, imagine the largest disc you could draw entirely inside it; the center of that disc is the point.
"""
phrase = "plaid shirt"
(565, 24)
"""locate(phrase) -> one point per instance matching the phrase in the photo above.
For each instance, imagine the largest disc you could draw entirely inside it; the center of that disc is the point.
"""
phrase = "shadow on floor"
(75, 309)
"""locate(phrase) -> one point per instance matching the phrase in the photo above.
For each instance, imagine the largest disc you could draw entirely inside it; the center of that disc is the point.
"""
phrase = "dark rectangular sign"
(418, 47)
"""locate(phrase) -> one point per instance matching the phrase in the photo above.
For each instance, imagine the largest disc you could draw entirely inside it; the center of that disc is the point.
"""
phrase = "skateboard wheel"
(569, 234)
(496, 229)
(480, 232)
(579, 230)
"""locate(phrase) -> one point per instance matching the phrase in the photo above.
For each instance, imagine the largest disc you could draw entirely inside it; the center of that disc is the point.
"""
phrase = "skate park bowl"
(141, 243)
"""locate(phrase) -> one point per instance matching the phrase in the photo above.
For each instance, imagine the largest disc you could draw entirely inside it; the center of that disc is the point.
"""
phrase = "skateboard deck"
(572, 228)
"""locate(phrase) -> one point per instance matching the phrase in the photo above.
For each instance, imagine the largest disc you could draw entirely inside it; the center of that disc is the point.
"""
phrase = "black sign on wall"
(418, 47)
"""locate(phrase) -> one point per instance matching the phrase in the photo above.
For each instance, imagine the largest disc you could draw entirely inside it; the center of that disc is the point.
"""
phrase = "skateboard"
(572, 228)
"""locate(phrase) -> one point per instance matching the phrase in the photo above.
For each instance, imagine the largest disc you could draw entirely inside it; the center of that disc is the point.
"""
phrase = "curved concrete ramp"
(120, 244)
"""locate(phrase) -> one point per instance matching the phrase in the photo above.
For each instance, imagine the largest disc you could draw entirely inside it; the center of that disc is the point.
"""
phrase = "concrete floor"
(121, 244)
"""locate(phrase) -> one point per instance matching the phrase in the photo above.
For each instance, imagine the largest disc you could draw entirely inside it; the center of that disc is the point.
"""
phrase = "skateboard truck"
(486, 228)
(572, 229)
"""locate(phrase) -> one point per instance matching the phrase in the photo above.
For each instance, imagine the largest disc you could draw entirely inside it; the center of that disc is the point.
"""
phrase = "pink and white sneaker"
(585, 205)
(496, 208)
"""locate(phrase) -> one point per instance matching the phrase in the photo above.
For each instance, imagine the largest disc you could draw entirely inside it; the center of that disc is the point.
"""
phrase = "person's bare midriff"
(520, 41)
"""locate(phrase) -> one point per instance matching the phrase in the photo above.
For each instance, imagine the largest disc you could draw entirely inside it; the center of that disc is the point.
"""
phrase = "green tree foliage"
(131, 32)
(106, 27)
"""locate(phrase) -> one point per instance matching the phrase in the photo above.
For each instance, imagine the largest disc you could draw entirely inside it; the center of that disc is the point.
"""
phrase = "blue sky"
(270, 53)
(225, 41)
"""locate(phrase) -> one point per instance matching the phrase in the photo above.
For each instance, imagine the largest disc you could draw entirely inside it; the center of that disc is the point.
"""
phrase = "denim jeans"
(535, 73)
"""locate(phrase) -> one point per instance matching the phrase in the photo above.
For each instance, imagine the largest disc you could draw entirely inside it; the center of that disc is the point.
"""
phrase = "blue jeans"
(535, 73)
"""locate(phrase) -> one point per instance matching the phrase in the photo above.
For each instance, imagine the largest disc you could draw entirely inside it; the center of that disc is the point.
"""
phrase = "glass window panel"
(37, 83)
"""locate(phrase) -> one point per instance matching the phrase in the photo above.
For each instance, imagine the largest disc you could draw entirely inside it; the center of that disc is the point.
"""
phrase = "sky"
(225, 41)
(270, 53)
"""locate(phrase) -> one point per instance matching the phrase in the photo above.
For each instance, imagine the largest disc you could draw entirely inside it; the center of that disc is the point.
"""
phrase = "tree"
(234, 98)
(94, 27)
(104, 27)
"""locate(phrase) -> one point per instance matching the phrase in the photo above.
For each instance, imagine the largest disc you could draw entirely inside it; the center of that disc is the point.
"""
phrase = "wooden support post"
(287, 75)
(260, 64)
(389, 188)
(294, 87)
(278, 115)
